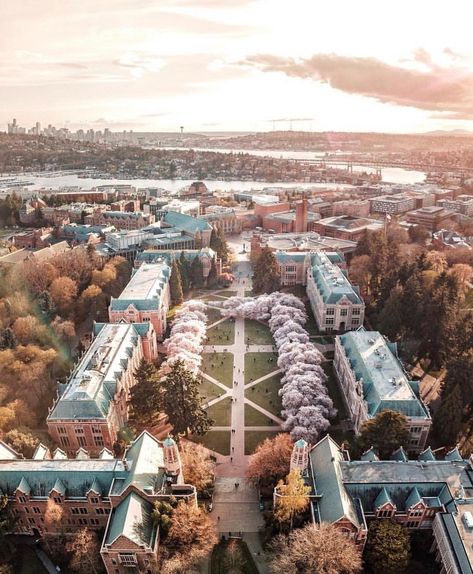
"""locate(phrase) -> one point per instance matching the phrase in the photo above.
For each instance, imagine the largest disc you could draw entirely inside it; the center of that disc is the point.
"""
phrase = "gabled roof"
(95, 486)
(41, 452)
(132, 518)
(59, 487)
(335, 503)
(454, 454)
(59, 454)
(413, 498)
(400, 454)
(427, 455)
(369, 454)
(382, 499)
(7, 453)
(23, 486)
(185, 222)
(82, 454)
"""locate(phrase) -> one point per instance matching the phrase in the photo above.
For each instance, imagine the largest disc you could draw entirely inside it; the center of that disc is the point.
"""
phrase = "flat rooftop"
(372, 359)
(350, 223)
(309, 241)
(147, 282)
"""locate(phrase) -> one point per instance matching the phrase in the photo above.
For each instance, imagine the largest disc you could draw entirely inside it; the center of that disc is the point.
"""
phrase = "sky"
(237, 65)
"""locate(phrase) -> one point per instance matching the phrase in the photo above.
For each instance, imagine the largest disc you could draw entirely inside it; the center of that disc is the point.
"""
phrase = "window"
(418, 512)
(27, 510)
(36, 510)
(343, 312)
(355, 321)
(31, 520)
(330, 311)
(415, 430)
(290, 268)
(355, 311)
(98, 440)
(94, 521)
(79, 430)
(81, 440)
(385, 513)
(61, 430)
(83, 521)
(127, 559)
(96, 430)
(22, 499)
(57, 499)
(64, 441)
(94, 500)
(412, 524)
(83, 511)
(101, 511)
(329, 321)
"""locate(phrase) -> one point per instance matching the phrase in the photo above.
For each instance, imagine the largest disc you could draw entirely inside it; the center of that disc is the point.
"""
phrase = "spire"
(300, 456)
(172, 460)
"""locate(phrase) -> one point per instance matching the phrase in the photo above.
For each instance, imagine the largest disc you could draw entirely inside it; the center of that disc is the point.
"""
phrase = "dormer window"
(386, 511)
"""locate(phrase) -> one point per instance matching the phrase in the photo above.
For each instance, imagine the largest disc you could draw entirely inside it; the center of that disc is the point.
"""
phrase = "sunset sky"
(218, 65)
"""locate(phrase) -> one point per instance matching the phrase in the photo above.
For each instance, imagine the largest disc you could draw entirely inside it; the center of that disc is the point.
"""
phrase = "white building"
(335, 302)
(372, 379)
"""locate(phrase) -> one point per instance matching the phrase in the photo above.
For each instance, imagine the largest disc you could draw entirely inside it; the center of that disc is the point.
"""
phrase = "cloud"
(435, 88)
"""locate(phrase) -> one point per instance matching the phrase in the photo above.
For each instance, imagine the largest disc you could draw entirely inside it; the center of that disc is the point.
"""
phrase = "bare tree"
(315, 548)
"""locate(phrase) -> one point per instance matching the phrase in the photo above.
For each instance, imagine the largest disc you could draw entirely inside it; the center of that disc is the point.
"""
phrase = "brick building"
(109, 495)
(93, 406)
(146, 298)
(431, 218)
(426, 494)
(372, 379)
(119, 219)
(335, 302)
(347, 227)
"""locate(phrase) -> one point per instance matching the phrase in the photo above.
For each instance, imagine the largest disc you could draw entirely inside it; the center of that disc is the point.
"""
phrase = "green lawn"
(257, 333)
(219, 441)
(334, 392)
(219, 366)
(254, 438)
(254, 418)
(209, 391)
(265, 394)
(213, 315)
(243, 562)
(221, 412)
(259, 364)
(227, 293)
(222, 334)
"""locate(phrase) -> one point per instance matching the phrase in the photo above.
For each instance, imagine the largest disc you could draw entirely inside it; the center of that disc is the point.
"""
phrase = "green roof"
(331, 282)
(186, 223)
(335, 503)
(92, 385)
(385, 384)
(400, 454)
(426, 455)
(370, 454)
(132, 518)
(382, 499)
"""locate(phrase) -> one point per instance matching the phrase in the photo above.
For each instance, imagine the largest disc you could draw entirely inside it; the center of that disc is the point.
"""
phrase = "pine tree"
(8, 339)
(175, 284)
(385, 432)
(387, 547)
(185, 272)
(144, 397)
(265, 273)
(197, 273)
(45, 304)
(178, 396)
(212, 278)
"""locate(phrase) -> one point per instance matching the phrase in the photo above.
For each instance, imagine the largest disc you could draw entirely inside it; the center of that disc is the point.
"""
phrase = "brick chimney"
(301, 216)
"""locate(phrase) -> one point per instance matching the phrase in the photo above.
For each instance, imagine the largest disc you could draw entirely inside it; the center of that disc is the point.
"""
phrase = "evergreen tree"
(7, 339)
(144, 396)
(45, 304)
(218, 243)
(175, 284)
(387, 547)
(185, 272)
(212, 278)
(448, 418)
(197, 273)
(177, 395)
(385, 432)
(265, 273)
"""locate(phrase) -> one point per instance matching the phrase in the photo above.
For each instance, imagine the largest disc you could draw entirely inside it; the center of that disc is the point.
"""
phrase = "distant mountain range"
(457, 132)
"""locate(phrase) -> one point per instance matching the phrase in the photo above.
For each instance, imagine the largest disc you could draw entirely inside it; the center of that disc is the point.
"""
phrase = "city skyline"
(237, 66)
